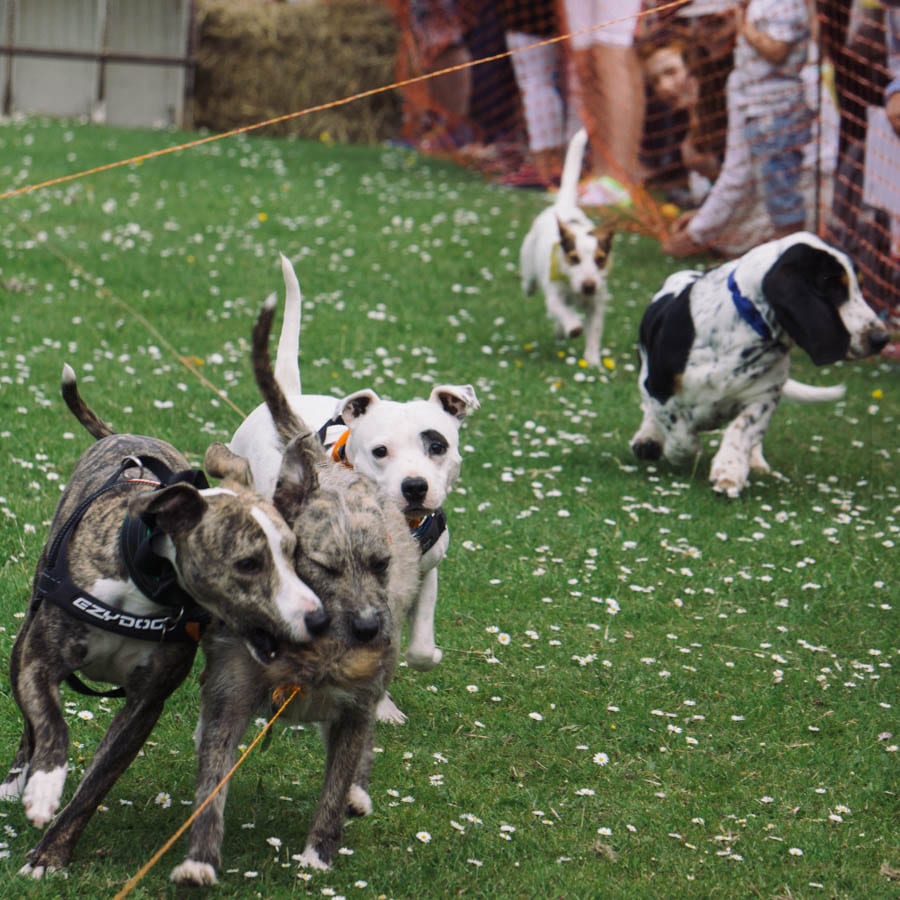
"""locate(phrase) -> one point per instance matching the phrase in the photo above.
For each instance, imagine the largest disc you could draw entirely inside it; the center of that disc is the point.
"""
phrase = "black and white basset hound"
(714, 349)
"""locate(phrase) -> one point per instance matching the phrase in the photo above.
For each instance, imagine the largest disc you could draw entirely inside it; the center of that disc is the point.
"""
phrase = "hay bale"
(258, 61)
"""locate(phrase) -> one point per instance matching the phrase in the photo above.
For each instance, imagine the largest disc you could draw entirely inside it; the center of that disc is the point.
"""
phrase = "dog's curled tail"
(798, 392)
(88, 418)
(287, 365)
(567, 196)
(287, 423)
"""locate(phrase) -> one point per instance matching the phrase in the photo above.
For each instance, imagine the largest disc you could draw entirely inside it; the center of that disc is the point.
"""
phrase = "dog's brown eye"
(573, 258)
(249, 565)
(380, 452)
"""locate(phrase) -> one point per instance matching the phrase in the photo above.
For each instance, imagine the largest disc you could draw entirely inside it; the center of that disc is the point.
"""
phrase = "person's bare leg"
(453, 91)
(616, 105)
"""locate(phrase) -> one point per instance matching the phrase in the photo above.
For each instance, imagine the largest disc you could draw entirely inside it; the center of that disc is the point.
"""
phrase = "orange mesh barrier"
(806, 141)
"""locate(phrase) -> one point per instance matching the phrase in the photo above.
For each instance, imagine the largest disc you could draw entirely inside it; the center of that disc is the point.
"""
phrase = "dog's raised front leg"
(346, 741)
(147, 691)
(422, 653)
(731, 464)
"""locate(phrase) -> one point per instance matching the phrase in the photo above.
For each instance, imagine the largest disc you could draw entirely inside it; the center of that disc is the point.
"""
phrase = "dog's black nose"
(414, 490)
(589, 288)
(317, 622)
(365, 626)
(878, 340)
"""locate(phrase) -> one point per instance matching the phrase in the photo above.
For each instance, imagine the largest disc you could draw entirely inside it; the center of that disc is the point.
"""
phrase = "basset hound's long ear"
(805, 287)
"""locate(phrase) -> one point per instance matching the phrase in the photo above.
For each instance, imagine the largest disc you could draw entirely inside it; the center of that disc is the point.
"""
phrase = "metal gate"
(125, 62)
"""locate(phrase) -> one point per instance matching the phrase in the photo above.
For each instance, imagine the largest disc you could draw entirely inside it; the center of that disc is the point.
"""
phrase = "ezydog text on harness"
(153, 575)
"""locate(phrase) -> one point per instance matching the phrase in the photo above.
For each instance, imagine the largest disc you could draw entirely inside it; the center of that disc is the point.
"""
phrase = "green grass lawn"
(646, 691)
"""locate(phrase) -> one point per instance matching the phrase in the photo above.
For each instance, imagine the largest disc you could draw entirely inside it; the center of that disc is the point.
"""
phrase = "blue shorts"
(776, 142)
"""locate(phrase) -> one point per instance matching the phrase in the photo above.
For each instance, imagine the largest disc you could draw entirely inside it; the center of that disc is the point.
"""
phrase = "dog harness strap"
(56, 585)
(323, 431)
(747, 311)
(428, 530)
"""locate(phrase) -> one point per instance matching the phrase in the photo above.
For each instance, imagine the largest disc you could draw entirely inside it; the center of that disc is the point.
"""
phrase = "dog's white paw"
(41, 795)
(728, 474)
(311, 860)
(730, 490)
(359, 801)
(424, 659)
(388, 711)
(36, 873)
(193, 872)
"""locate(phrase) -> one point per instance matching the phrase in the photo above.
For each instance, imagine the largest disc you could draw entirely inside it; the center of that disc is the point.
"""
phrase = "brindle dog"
(134, 562)
(355, 550)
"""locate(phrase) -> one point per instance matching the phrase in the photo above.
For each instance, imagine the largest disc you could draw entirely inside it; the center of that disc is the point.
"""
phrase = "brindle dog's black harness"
(152, 574)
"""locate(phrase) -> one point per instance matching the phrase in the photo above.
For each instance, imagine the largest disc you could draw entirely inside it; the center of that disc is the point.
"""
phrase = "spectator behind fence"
(436, 111)
(866, 212)
(769, 124)
(683, 148)
(549, 119)
(610, 91)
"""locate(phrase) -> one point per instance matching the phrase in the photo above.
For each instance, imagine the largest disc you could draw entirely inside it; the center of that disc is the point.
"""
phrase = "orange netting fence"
(694, 130)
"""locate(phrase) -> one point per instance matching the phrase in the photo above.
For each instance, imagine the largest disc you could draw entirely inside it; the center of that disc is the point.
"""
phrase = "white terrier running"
(568, 256)
(411, 450)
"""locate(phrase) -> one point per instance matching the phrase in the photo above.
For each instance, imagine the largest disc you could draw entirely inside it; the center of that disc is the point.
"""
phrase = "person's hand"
(892, 108)
(706, 164)
(679, 242)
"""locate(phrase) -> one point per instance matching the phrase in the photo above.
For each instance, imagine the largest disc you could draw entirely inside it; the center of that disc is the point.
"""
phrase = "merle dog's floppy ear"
(221, 462)
(178, 507)
(805, 287)
(298, 478)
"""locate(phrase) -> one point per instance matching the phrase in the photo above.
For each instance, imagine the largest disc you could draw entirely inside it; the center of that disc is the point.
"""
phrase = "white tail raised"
(287, 364)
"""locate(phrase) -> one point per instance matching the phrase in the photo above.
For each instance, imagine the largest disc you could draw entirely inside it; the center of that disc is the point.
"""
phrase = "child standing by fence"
(769, 124)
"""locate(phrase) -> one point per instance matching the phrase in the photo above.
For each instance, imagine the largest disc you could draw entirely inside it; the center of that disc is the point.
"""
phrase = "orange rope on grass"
(107, 294)
(133, 881)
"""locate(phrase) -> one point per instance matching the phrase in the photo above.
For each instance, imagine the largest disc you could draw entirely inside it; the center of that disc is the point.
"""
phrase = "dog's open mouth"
(262, 645)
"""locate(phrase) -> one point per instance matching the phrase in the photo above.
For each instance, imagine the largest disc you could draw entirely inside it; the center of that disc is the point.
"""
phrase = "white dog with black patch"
(715, 350)
(411, 450)
(568, 257)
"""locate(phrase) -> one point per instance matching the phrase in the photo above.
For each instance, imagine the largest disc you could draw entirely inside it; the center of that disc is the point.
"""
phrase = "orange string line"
(133, 881)
(104, 292)
(199, 142)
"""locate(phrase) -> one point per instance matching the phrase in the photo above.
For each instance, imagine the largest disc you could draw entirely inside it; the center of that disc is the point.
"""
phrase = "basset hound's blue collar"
(747, 311)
